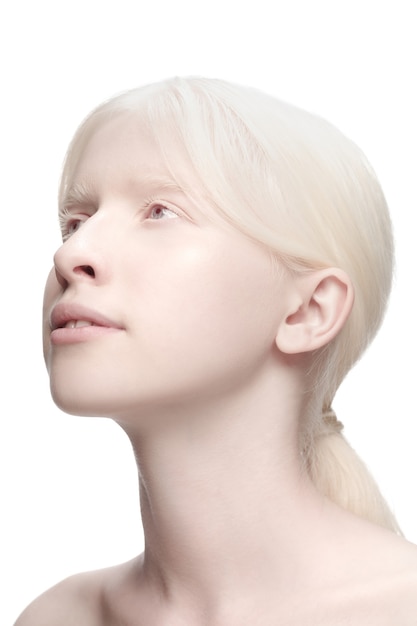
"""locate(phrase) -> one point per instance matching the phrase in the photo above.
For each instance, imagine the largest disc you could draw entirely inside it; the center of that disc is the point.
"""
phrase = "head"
(287, 179)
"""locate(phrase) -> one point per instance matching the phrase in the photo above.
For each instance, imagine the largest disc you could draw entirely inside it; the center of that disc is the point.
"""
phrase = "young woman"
(226, 258)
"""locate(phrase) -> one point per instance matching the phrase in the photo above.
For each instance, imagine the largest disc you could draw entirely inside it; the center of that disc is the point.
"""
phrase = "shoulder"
(72, 602)
(386, 593)
(393, 601)
(401, 589)
(367, 575)
(93, 598)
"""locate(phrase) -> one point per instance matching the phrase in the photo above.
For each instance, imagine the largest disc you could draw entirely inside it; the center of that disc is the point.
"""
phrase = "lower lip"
(63, 336)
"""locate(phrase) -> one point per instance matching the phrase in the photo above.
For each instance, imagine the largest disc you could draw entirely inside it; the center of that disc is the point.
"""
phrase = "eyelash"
(68, 219)
(152, 204)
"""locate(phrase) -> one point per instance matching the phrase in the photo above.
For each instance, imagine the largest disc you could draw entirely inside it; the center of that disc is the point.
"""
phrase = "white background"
(68, 484)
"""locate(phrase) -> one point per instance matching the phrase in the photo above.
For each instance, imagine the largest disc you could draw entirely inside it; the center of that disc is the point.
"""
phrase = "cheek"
(202, 308)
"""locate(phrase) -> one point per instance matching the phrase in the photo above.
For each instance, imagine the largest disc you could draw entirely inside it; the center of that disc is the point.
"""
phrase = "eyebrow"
(83, 193)
(79, 193)
(160, 182)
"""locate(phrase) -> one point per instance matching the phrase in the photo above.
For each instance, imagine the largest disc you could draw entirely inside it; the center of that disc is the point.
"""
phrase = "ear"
(324, 302)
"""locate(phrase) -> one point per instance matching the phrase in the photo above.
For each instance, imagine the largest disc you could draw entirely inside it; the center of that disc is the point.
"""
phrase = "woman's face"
(151, 302)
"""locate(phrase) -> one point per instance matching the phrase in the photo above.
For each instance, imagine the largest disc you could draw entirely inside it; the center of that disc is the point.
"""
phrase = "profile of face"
(152, 302)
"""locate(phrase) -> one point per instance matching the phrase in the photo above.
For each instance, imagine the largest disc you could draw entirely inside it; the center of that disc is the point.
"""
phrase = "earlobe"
(326, 298)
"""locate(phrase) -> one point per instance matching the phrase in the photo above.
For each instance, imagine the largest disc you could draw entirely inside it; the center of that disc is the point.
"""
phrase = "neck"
(226, 503)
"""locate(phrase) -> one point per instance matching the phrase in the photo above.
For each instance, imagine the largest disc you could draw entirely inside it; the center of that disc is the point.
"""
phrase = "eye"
(73, 226)
(159, 212)
(70, 224)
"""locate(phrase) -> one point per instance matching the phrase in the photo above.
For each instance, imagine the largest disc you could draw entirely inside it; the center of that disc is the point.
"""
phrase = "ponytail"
(339, 474)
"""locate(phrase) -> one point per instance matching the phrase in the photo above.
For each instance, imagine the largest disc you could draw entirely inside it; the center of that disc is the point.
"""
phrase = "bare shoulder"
(384, 588)
(393, 602)
(89, 599)
(74, 601)
(404, 583)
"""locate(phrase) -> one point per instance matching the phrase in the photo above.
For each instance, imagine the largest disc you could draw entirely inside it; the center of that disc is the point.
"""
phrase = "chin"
(75, 404)
(83, 396)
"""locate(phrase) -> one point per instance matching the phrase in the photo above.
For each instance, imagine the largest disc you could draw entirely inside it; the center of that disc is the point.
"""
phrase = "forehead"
(120, 144)
(122, 151)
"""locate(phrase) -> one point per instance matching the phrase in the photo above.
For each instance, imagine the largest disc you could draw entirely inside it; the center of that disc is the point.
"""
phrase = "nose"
(80, 259)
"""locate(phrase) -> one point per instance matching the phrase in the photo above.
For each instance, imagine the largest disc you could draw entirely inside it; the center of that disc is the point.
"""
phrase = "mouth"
(72, 315)
(72, 323)
(77, 324)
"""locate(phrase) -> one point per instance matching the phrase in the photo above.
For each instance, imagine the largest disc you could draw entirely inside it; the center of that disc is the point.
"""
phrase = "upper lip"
(65, 312)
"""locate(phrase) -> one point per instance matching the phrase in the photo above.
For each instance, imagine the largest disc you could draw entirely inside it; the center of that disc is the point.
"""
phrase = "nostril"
(85, 269)
(88, 270)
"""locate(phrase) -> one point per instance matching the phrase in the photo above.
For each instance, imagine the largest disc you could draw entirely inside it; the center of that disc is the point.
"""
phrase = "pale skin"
(203, 361)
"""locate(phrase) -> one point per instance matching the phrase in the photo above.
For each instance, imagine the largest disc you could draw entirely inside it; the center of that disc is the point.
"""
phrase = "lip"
(65, 312)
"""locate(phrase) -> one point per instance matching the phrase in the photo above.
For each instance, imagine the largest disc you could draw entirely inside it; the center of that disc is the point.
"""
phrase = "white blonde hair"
(294, 183)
